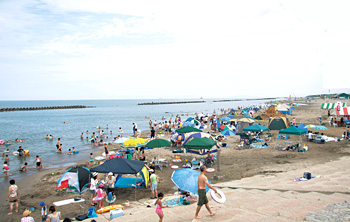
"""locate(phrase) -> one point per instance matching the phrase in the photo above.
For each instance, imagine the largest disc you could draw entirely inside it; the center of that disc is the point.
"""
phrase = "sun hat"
(110, 174)
(101, 185)
(94, 174)
(42, 203)
(26, 213)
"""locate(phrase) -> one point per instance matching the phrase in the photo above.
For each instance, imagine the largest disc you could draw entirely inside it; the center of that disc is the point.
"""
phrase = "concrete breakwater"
(162, 103)
(44, 108)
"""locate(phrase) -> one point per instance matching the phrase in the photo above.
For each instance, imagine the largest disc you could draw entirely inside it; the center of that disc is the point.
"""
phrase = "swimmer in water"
(24, 167)
(82, 136)
(70, 152)
(73, 149)
(47, 136)
(60, 148)
(87, 131)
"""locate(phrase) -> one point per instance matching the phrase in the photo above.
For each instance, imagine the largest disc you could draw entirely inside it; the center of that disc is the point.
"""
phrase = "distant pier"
(162, 103)
(44, 108)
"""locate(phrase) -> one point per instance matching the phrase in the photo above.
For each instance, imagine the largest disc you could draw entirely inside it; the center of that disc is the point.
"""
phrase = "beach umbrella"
(232, 117)
(188, 124)
(225, 118)
(309, 126)
(228, 133)
(319, 127)
(189, 119)
(190, 136)
(188, 129)
(200, 143)
(246, 120)
(121, 140)
(134, 142)
(256, 128)
(187, 180)
(157, 143)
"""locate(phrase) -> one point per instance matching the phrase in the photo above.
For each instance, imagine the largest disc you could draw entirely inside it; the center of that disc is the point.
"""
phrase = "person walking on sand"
(39, 163)
(159, 209)
(202, 196)
(106, 151)
(154, 182)
(13, 196)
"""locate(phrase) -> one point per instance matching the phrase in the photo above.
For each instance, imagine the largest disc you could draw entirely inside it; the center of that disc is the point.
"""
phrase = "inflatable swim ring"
(7, 144)
(75, 152)
(99, 158)
(109, 208)
(176, 160)
(220, 198)
(111, 201)
(15, 153)
(26, 151)
(174, 167)
(210, 170)
(2, 142)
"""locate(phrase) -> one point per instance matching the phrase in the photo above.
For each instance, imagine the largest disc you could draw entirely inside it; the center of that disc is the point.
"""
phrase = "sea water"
(33, 126)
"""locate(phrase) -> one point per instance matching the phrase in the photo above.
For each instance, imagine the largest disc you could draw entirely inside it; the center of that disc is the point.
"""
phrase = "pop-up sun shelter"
(122, 166)
(74, 180)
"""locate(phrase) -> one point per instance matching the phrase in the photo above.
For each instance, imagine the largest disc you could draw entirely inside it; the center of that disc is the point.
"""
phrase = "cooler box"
(116, 213)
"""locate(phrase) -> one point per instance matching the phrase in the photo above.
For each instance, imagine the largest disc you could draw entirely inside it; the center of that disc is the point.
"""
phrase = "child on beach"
(5, 168)
(100, 194)
(43, 211)
(38, 162)
(91, 159)
(159, 208)
(24, 167)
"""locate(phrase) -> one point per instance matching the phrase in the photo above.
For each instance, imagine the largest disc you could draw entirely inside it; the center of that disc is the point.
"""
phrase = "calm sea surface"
(33, 126)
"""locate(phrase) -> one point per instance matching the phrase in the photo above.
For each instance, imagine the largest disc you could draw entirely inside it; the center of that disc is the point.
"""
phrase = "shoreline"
(246, 163)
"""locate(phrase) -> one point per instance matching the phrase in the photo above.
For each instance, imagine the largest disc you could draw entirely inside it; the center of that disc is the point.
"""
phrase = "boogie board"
(109, 208)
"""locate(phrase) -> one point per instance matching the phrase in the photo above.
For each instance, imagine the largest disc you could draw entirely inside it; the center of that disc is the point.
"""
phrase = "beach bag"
(91, 212)
(81, 217)
(307, 175)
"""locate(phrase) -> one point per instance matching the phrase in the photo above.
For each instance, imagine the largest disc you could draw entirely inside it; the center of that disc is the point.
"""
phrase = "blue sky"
(110, 49)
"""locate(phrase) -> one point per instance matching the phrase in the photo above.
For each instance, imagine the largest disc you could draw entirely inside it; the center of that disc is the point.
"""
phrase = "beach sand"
(235, 164)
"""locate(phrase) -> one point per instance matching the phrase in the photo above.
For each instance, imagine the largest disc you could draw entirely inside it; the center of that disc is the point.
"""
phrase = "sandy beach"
(236, 165)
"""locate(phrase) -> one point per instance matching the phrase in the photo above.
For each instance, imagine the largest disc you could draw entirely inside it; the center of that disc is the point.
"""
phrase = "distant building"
(342, 96)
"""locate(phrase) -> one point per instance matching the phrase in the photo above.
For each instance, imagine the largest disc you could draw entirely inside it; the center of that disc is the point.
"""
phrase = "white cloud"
(153, 46)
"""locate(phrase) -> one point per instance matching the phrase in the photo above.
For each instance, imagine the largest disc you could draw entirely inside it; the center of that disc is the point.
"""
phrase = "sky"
(111, 49)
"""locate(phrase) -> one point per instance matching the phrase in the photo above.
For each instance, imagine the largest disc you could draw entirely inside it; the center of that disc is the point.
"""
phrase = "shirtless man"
(202, 196)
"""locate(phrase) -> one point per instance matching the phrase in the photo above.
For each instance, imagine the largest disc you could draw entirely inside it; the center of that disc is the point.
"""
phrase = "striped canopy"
(344, 111)
(332, 105)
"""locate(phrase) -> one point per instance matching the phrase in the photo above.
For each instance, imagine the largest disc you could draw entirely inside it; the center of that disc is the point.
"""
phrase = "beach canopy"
(187, 180)
(256, 128)
(188, 124)
(120, 166)
(332, 105)
(134, 142)
(293, 131)
(190, 136)
(75, 180)
(343, 111)
(200, 143)
(188, 129)
(157, 143)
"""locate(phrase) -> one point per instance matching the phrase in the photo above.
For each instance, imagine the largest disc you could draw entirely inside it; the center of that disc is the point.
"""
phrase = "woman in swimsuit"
(38, 163)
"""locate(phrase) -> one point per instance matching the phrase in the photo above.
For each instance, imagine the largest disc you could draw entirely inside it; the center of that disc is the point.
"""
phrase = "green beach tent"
(200, 143)
(157, 143)
(293, 131)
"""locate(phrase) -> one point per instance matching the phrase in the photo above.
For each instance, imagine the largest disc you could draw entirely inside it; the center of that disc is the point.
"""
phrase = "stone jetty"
(44, 108)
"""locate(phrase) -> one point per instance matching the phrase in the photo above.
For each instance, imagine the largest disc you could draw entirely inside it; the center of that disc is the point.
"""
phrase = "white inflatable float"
(99, 158)
(174, 167)
(15, 153)
(219, 198)
(109, 153)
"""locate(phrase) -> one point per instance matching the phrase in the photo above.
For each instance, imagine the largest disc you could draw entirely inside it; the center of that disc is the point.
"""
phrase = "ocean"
(33, 126)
